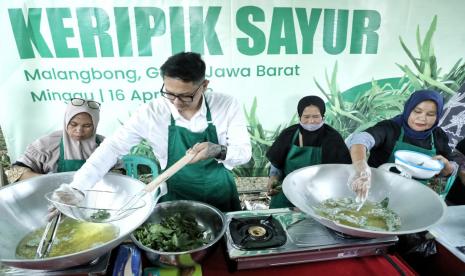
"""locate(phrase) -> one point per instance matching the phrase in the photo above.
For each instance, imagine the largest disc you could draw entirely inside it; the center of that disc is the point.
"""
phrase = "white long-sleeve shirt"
(151, 122)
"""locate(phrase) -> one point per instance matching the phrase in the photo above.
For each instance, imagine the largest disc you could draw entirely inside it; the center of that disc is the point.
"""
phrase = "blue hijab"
(416, 98)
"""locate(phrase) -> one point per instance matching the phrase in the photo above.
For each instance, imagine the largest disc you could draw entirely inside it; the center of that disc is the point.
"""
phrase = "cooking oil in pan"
(372, 215)
(72, 236)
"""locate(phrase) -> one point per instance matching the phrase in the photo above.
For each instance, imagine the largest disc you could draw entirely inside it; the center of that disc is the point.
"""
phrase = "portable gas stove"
(275, 237)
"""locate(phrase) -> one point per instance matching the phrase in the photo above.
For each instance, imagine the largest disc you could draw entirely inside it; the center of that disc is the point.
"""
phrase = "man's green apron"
(401, 145)
(297, 157)
(70, 165)
(207, 180)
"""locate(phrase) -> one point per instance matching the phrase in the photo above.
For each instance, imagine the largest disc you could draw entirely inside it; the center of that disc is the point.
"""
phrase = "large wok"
(23, 208)
(418, 206)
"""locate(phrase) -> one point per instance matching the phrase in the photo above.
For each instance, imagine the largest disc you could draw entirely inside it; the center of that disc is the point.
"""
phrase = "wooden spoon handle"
(169, 172)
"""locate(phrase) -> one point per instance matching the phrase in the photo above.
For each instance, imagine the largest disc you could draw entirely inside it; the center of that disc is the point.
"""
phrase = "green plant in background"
(428, 75)
(143, 149)
(4, 158)
(377, 102)
(367, 103)
(368, 107)
(261, 140)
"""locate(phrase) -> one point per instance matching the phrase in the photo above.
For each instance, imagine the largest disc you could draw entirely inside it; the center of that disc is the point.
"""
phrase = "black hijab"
(415, 99)
(311, 100)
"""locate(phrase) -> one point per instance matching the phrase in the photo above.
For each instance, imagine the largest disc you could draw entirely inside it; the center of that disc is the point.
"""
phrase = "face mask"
(312, 127)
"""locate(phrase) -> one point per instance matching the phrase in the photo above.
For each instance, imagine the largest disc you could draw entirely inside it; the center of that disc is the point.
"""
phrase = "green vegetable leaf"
(175, 233)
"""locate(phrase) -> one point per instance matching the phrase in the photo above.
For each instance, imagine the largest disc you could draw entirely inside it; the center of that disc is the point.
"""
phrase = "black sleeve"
(334, 149)
(456, 195)
(441, 143)
(20, 164)
(385, 134)
(278, 151)
(461, 146)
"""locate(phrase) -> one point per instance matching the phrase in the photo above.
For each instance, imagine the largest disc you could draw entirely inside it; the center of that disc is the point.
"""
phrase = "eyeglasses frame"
(86, 101)
(166, 94)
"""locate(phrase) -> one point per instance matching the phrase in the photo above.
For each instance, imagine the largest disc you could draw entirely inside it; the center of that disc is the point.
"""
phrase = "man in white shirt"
(185, 117)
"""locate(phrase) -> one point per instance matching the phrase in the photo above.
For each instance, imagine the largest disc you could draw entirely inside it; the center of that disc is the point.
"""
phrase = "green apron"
(401, 145)
(70, 165)
(297, 157)
(206, 180)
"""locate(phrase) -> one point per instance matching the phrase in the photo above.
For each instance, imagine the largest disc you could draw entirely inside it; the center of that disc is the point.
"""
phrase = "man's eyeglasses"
(183, 98)
(80, 102)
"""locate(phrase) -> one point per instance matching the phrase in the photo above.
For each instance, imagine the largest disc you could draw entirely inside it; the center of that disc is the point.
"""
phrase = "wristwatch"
(222, 154)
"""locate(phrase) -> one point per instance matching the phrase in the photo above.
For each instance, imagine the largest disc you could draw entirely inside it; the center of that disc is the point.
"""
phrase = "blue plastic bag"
(128, 261)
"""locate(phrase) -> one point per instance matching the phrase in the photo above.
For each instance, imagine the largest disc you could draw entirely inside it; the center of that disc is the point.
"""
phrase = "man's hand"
(52, 212)
(204, 151)
(64, 194)
(67, 195)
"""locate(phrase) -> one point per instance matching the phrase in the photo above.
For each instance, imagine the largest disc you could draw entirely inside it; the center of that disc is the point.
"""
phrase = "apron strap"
(209, 116)
(97, 140)
(61, 159)
(297, 133)
(173, 122)
(401, 138)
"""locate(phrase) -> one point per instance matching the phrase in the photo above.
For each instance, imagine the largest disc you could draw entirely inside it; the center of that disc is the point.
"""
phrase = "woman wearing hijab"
(63, 150)
(416, 129)
(310, 142)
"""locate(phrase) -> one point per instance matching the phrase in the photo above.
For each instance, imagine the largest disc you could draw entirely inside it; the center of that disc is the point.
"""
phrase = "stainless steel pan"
(418, 206)
(23, 208)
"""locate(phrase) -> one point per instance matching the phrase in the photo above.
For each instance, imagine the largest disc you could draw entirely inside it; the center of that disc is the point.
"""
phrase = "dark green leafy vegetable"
(100, 216)
(384, 203)
(173, 234)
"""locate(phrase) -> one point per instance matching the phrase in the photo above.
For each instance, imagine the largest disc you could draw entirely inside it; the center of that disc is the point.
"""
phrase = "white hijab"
(79, 149)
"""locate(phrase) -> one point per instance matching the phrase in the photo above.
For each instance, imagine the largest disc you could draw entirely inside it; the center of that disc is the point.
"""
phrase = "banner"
(268, 54)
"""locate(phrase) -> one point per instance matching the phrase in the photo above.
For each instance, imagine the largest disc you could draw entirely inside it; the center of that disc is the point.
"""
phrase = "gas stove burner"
(257, 232)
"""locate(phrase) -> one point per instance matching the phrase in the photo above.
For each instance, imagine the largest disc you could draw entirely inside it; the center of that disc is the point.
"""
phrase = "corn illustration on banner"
(363, 57)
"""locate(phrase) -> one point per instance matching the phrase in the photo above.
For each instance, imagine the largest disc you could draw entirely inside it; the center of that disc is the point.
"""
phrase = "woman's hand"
(360, 180)
(17, 173)
(448, 168)
(274, 185)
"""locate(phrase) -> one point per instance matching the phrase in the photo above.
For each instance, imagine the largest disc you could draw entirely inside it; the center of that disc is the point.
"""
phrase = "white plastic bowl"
(418, 165)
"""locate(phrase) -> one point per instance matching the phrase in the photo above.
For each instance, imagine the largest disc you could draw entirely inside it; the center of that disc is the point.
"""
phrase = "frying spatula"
(157, 181)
